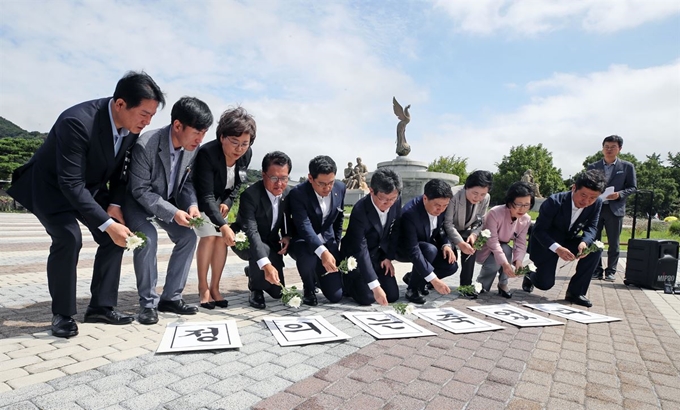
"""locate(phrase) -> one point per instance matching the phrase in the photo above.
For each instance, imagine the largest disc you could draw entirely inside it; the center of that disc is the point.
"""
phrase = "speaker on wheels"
(651, 263)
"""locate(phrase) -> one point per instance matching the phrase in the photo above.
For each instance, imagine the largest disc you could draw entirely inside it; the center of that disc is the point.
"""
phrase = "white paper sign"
(387, 325)
(188, 336)
(293, 331)
(514, 315)
(607, 191)
(455, 321)
(577, 315)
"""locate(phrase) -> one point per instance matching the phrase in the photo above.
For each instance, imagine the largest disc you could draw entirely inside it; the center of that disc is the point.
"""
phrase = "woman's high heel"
(221, 303)
(208, 305)
(503, 293)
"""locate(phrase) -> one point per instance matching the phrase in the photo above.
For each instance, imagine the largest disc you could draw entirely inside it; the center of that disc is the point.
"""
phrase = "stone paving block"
(630, 404)
(192, 368)
(239, 400)
(106, 398)
(402, 402)
(342, 350)
(193, 400)
(153, 382)
(12, 374)
(279, 401)
(230, 384)
(49, 365)
(228, 369)
(321, 401)
(226, 357)
(57, 399)
(290, 359)
(308, 387)
(603, 393)
(24, 405)
(86, 354)
(668, 393)
(470, 375)
(522, 404)
(607, 379)
(161, 364)
(362, 401)
(150, 400)
(421, 390)
(459, 390)
(30, 351)
(25, 393)
(126, 354)
(61, 352)
(298, 372)
(85, 365)
(35, 378)
(483, 403)
(322, 360)
(20, 362)
(533, 392)
(268, 387)
(402, 374)
(257, 359)
(122, 366)
(263, 371)
(480, 363)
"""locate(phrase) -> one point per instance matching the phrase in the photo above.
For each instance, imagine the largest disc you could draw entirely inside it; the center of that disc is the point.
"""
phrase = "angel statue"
(404, 117)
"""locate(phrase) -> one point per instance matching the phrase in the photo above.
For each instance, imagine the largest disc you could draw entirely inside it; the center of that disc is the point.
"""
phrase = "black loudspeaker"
(651, 263)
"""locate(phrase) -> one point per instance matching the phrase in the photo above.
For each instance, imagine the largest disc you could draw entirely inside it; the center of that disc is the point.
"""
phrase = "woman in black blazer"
(220, 169)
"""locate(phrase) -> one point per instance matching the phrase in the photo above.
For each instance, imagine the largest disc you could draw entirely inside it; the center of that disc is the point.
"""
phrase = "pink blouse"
(504, 229)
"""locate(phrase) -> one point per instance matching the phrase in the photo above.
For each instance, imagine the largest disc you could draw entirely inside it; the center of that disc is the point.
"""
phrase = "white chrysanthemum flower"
(240, 237)
(478, 287)
(351, 263)
(532, 267)
(486, 233)
(409, 309)
(295, 302)
(133, 242)
(599, 244)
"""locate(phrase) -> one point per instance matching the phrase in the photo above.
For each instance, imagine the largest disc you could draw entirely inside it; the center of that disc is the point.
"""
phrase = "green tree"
(654, 176)
(15, 152)
(512, 167)
(450, 165)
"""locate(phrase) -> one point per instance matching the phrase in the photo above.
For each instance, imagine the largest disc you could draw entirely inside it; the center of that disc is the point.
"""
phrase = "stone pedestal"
(537, 204)
(414, 175)
(352, 196)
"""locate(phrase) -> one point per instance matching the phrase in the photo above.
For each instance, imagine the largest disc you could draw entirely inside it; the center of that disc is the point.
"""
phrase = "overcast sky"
(319, 76)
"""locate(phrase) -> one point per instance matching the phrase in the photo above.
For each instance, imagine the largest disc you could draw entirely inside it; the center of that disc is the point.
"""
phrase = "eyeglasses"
(520, 206)
(324, 184)
(283, 180)
(234, 143)
(610, 147)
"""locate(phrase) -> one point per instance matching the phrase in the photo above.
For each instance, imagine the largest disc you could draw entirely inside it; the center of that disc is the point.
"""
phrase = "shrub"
(674, 229)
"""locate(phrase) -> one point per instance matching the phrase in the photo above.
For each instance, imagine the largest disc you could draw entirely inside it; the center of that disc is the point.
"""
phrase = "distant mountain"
(8, 129)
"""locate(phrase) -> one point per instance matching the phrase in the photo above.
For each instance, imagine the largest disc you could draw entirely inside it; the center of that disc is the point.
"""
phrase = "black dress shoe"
(106, 315)
(424, 291)
(527, 286)
(412, 295)
(208, 305)
(597, 275)
(177, 306)
(64, 326)
(309, 299)
(407, 278)
(610, 277)
(503, 293)
(256, 299)
(578, 300)
(147, 316)
(221, 303)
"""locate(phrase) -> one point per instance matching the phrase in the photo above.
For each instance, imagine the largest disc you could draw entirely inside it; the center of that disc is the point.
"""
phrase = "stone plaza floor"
(632, 364)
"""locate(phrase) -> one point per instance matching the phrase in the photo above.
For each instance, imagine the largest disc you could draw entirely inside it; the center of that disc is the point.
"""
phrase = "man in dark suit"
(160, 188)
(261, 216)
(316, 207)
(78, 174)
(424, 243)
(566, 226)
(620, 175)
(371, 238)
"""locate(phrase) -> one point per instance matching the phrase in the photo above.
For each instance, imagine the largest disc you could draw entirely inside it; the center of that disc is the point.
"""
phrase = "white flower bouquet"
(471, 291)
(241, 239)
(594, 247)
(526, 269)
(134, 241)
(291, 297)
(347, 265)
(403, 308)
(481, 240)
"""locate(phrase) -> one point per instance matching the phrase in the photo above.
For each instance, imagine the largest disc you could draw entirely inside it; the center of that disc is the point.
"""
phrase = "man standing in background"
(620, 176)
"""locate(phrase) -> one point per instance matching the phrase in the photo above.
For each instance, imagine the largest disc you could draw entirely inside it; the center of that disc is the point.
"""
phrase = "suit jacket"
(624, 181)
(75, 169)
(503, 230)
(308, 219)
(210, 178)
(149, 174)
(552, 225)
(414, 227)
(366, 237)
(254, 217)
(454, 217)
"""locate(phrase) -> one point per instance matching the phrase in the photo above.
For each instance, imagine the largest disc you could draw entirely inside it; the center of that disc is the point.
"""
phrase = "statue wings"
(402, 114)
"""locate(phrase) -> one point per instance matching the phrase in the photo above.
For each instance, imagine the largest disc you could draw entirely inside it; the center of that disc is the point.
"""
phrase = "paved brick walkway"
(632, 364)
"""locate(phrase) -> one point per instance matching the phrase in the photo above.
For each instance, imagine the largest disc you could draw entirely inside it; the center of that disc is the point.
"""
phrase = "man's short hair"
(322, 164)
(137, 86)
(593, 179)
(436, 188)
(613, 138)
(276, 158)
(386, 181)
(192, 112)
(482, 179)
(235, 122)
(518, 190)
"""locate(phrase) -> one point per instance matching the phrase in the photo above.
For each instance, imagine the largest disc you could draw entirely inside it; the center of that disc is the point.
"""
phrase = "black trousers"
(467, 267)
(544, 277)
(62, 263)
(358, 290)
(312, 271)
(612, 224)
(256, 280)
